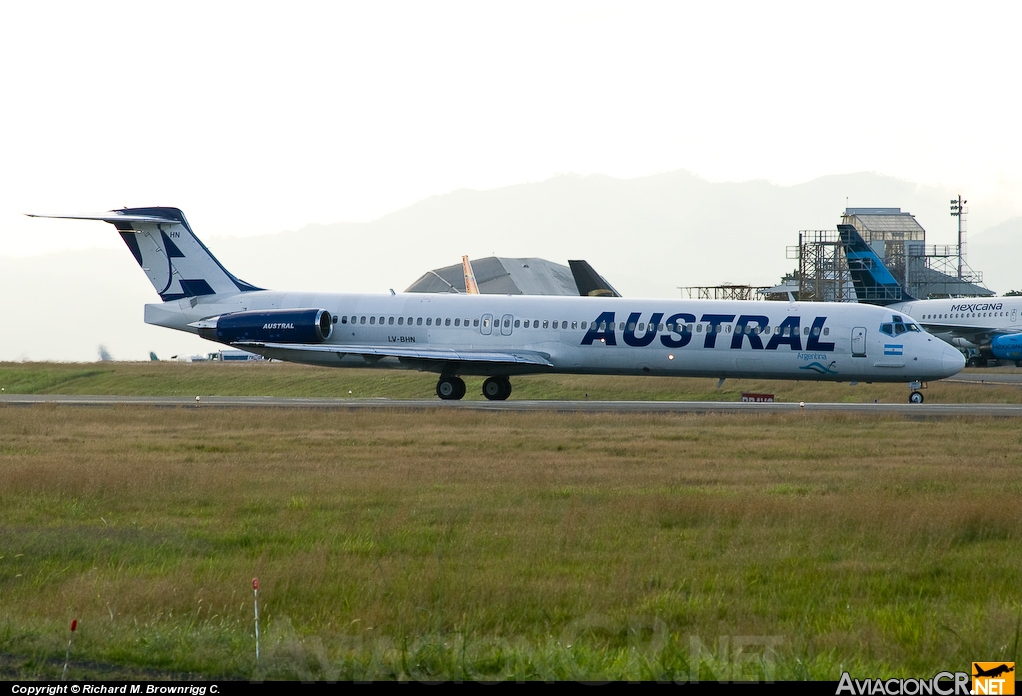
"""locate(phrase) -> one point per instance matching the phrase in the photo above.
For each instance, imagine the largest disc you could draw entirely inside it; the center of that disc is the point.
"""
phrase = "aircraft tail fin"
(874, 284)
(589, 282)
(175, 261)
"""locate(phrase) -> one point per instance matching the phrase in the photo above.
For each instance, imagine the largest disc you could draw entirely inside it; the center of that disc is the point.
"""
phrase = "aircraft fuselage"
(589, 335)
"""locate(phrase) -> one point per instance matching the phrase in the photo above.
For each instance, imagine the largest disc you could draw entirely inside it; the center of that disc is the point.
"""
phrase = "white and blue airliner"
(500, 336)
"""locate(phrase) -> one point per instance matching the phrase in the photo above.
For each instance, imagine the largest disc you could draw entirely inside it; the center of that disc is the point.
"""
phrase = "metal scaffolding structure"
(727, 291)
(900, 241)
(822, 270)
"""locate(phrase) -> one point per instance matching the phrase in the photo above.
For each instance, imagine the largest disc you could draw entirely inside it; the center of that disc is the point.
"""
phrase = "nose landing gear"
(916, 397)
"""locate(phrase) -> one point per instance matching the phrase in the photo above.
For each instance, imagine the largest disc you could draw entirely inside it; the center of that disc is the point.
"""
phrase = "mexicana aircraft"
(498, 336)
(993, 326)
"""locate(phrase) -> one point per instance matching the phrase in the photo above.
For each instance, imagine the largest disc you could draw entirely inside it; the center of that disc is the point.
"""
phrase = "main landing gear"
(497, 388)
(451, 388)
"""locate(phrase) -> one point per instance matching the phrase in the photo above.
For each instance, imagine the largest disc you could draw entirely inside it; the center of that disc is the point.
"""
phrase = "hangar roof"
(502, 276)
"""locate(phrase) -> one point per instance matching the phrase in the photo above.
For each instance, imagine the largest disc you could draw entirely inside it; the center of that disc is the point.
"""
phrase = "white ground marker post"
(67, 655)
(255, 593)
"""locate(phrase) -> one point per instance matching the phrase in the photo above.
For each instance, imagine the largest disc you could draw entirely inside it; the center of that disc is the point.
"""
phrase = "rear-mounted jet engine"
(271, 326)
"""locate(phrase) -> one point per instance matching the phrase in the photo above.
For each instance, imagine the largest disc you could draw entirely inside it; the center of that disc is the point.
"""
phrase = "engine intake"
(1007, 347)
(271, 326)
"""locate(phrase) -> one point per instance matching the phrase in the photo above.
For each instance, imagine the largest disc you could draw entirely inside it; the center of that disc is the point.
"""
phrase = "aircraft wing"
(976, 335)
(408, 353)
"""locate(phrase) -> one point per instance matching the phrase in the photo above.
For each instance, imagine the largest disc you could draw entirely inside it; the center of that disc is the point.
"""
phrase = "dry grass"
(461, 545)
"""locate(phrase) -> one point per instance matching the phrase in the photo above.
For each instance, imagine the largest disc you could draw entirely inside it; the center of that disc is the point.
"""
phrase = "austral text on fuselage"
(679, 334)
(279, 325)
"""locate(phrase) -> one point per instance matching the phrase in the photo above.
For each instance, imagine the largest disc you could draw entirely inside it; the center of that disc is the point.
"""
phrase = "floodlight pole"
(958, 210)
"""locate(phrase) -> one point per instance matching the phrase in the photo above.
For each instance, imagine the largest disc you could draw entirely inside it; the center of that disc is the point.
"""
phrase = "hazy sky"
(261, 117)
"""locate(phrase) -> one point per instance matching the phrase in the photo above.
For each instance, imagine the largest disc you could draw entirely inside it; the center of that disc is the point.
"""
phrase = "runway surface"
(986, 378)
(220, 402)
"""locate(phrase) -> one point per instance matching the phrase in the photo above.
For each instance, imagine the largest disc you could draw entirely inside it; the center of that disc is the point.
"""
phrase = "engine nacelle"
(1007, 347)
(270, 326)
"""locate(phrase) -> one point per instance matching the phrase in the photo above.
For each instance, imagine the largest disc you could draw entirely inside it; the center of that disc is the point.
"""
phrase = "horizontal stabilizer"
(175, 261)
(112, 216)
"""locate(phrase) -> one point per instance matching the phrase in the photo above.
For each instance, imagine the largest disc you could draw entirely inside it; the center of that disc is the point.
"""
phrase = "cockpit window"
(898, 326)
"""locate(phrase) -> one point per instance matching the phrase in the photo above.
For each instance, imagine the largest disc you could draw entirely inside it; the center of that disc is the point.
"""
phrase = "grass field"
(284, 379)
(439, 545)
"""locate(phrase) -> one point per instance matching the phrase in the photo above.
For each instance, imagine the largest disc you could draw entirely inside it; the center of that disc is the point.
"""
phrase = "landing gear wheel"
(915, 397)
(497, 388)
(972, 362)
(450, 388)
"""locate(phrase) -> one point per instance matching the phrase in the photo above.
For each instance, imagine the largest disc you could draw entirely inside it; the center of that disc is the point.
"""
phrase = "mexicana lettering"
(978, 307)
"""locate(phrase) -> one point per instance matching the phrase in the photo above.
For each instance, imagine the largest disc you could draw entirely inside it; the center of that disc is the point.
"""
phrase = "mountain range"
(647, 236)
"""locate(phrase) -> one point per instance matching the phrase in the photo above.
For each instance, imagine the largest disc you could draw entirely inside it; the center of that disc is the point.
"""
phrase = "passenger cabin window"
(390, 320)
(418, 322)
(429, 321)
(447, 322)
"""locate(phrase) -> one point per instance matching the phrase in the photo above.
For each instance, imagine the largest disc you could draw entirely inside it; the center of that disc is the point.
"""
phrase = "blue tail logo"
(874, 284)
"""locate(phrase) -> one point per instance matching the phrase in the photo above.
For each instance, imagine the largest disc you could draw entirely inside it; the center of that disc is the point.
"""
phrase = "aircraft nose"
(952, 361)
